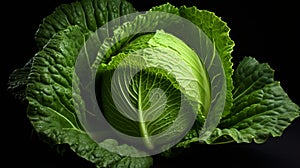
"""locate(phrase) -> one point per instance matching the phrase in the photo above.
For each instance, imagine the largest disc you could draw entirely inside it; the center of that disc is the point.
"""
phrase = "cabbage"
(118, 86)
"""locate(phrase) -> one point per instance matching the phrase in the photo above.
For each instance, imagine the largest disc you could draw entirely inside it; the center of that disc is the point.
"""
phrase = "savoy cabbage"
(157, 89)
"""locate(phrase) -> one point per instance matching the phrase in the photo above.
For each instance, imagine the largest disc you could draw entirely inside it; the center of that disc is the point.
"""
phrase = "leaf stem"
(142, 123)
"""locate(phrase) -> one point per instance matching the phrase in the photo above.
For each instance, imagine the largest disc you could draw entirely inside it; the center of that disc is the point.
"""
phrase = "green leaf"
(89, 15)
(250, 76)
(49, 88)
(261, 107)
(51, 105)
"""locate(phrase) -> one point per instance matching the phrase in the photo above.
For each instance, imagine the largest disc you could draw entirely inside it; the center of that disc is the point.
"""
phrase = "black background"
(266, 31)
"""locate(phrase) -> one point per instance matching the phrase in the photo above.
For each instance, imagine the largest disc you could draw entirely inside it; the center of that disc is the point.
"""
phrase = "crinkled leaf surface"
(261, 108)
(51, 110)
(89, 15)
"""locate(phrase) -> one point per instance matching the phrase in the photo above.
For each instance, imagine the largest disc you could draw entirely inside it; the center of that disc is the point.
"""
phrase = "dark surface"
(264, 31)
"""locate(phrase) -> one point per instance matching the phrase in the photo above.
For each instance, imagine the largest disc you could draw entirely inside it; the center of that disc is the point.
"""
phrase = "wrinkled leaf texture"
(261, 108)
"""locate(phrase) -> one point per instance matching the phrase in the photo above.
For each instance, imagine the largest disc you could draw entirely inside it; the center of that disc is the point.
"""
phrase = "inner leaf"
(149, 108)
(150, 92)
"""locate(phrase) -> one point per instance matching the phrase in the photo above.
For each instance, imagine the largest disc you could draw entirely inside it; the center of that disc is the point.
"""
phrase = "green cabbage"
(157, 90)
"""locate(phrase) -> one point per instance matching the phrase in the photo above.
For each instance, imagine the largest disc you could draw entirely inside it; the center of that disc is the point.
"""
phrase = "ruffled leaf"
(261, 108)
(89, 15)
(51, 104)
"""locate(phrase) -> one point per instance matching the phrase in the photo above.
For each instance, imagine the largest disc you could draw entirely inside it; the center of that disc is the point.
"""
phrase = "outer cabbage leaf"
(51, 106)
(89, 15)
(261, 107)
